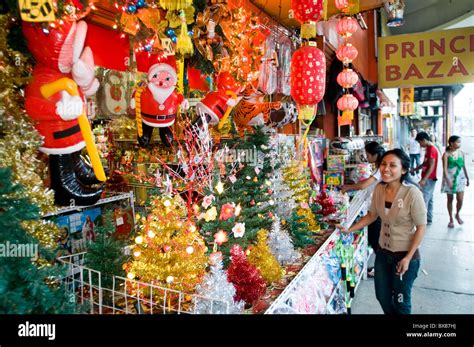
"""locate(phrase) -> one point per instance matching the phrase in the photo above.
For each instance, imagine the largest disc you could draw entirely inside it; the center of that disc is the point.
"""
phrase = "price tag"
(257, 170)
(36, 10)
(232, 179)
(119, 221)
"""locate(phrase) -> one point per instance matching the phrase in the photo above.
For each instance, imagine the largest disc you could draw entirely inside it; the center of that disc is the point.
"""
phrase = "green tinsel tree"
(25, 286)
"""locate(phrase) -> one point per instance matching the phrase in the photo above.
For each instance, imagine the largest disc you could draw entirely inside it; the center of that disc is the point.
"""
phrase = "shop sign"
(407, 101)
(432, 58)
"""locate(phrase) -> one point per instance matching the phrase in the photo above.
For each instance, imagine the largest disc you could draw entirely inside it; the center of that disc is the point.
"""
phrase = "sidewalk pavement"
(445, 283)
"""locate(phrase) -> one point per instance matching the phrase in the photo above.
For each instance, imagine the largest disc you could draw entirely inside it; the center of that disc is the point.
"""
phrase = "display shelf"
(122, 196)
(283, 303)
(333, 295)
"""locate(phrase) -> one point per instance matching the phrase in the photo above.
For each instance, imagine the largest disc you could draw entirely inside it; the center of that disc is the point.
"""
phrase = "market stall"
(168, 158)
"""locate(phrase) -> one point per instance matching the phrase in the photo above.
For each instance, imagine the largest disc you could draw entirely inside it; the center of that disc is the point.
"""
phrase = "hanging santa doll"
(156, 104)
(216, 104)
(55, 103)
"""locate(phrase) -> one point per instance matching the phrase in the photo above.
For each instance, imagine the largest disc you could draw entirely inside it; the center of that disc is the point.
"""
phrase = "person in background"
(414, 149)
(400, 205)
(374, 152)
(428, 172)
(435, 142)
(455, 178)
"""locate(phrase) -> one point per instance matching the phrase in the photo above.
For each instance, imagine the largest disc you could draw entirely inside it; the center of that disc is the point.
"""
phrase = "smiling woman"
(400, 205)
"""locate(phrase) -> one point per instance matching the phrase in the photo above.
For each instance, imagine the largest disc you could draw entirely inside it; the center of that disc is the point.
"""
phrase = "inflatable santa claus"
(156, 104)
(214, 105)
(54, 99)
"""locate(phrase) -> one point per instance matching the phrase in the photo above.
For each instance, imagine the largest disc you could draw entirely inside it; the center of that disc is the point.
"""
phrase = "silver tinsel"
(280, 244)
(284, 201)
(216, 286)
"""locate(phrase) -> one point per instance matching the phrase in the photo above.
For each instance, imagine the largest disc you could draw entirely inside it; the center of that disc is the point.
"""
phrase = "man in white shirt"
(414, 149)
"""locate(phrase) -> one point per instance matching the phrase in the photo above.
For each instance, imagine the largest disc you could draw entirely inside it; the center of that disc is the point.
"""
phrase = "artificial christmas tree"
(280, 244)
(247, 280)
(169, 252)
(261, 256)
(25, 287)
(215, 285)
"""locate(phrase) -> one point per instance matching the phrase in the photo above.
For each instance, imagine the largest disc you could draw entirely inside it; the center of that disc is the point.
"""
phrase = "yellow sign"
(36, 10)
(407, 101)
(432, 58)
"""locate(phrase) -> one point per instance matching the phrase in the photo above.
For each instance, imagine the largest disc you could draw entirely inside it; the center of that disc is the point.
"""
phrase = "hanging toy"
(156, 104)
(54, 99)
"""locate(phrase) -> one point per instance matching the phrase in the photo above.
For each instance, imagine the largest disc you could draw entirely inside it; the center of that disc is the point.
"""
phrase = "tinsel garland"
(280, 244)
(20, 140)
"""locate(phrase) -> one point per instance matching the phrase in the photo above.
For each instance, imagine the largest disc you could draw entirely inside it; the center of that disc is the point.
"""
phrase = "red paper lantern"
(347, 78)
(308, 75)
(347, 103)
(347, 26)
(307, 10)
(342, 5)
(346, 53)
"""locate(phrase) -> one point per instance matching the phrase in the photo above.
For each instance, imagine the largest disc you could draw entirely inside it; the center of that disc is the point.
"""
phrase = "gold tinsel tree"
(263, 259)
(168, 252)
(19, 141)
(296, 179)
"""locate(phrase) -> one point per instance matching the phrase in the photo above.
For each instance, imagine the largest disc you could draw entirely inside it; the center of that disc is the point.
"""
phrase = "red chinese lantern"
(347, 26)
(347, 78)
(347, 104)
(346, 53)
(308, 79)
(307, 12)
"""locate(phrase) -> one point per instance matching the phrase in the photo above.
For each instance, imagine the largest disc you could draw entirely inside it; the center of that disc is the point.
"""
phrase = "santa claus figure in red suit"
(213, 106)
(156, 104)
(63, 65)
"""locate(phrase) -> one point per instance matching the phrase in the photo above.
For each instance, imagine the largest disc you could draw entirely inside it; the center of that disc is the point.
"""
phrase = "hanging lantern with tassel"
(347, 104)
(308, 12)
(347, 78)
(184, 44)
(346, 53)
(347, 26)
(308, 80)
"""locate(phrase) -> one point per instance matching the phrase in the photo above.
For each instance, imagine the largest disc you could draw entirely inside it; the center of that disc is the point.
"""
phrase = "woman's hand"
(402, 266)
(346, 188)
(343, 229)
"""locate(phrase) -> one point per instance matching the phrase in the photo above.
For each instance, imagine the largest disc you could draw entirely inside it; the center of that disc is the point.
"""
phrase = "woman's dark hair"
(374, 148)
(405, 160)
(452, 139)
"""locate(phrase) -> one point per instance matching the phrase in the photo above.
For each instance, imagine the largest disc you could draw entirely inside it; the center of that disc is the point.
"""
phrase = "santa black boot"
(145, 139)
(66, 186)
(84, 173)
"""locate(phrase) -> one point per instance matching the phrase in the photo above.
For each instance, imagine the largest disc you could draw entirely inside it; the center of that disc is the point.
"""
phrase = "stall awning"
(384, 100)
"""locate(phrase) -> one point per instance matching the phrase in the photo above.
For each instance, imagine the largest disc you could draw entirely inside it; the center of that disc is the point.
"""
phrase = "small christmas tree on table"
(168, 252)
(25, 287)
(302, 222)
(324, 204)
(247, 280)
(261, 256)
(106, 254)
(215, 285)
(280, 244)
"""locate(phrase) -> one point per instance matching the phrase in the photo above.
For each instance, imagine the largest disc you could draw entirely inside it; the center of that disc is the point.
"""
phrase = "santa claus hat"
(152, 63)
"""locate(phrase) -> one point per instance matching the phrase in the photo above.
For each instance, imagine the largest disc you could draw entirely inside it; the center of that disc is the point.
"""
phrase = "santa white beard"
(160, 94)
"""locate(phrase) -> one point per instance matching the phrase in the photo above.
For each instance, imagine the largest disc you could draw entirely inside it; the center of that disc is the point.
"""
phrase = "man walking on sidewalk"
(428, 172)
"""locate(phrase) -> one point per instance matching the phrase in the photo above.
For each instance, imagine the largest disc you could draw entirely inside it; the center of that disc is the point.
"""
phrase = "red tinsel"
(245, 277)
(326, 203)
